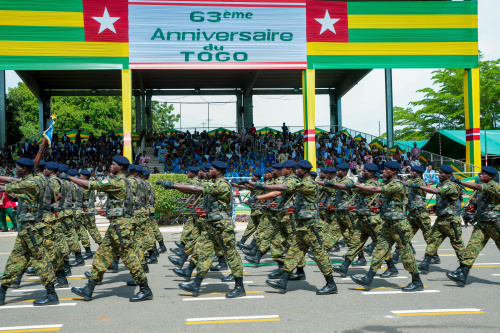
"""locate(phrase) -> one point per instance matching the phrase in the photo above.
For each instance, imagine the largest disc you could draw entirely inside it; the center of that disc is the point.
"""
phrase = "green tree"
(21, 112)
(443, 104)
(163, 119)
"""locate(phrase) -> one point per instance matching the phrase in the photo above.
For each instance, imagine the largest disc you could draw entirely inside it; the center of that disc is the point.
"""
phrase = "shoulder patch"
(104, 181)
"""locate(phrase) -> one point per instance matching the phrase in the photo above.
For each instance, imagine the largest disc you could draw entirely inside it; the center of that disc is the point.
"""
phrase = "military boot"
(186, 272)
(78, 260)
(311, 256)
(155, 251)
(67, 268)
(329, 288)
(342, 243)
(50, 298)
(178, 252)
(241, 242)
(390, 271)
(88, 276)
(424, 265)
(415, 285)
(335, 248)
(255, 260)
(435, 260)
(459, 276)
(31, 271)
(276, 274)
(152, 257)
(179, 262)
(3, 291)
(17, 282)
(250, 252)
(221, 266)
(239, 289)
(144, 293)
(342, 269)
(88, 254)
(281, 284)
(179, 244)
(361, 260)
(61, 280)
(395, 256)
(299, 275)
(113, 268)
(249, 246)
(193, 287)
(87, 291)
(228, 278)
(369, 249)
(162, 248)
(364, 281)
(145, 268)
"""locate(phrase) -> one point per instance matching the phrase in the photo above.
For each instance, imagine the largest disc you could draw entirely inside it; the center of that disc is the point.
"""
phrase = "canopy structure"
(220, 130)
(267, 130)
(172, 130)
(135, 136)
(317, 130)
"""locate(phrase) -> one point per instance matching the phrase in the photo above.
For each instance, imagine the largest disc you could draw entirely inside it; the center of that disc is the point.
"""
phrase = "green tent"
(220, 130)
(135, 136)
(267, 130)
(377, 143)
(172, 130)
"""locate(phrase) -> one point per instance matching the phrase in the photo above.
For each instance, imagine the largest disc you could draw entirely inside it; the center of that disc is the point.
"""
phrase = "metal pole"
(485, 147)
(208, 117)
(439, 134)
(180, 117)
(3, 133)
(389, 107)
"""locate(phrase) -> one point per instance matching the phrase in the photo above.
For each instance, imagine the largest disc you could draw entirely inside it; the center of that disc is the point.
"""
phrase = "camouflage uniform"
(306, 215)
(327, 223)
(79, 217)
(150, 205)
(139, 227)
(395, 227)
(447, 206)
(190, 232)
(29, 193)
(119, 238)
(418, 214)
(89, 212)
(265, 230)
(143, 215)
(488, 226)
(218, 229)
(345, 224)
(255, 219)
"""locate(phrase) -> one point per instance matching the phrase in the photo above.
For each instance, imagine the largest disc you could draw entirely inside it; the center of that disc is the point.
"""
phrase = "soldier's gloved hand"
(329, 182)
(350, 185)
(253, 199)
(414, 185)
(166, 184)
(259, 185)
(455, 179)
(64, 175)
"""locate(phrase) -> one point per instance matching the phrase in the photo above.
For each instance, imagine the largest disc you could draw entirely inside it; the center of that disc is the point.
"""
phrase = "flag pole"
(39, 155)
(45, 141)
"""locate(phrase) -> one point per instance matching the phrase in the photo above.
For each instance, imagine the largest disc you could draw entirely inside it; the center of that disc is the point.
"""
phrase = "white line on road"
(380, 278)
(211, 283)
(217, 298)
(233, 318)
(30, 327)
(69, 276)
(30, 290)
(486, 263)
(398, 292)
(39, 307)
(435, 310)
(495, 274)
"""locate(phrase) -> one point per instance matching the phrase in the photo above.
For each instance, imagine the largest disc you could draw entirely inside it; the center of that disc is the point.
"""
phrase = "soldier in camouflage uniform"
(151, 210)
(119, 239)
(395, 228)
(89, 212)
(302, 220)
(79, 220)
(488, 225)
(327, 213)
(218, 229)
(34, 234)
(253, 224)
(448, 209)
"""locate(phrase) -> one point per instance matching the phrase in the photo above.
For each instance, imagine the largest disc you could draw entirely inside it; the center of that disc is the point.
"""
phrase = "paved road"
(441, 307)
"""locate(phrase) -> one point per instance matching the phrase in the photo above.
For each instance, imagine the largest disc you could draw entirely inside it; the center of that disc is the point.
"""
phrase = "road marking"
(218, 298)
(486, 263)
(68, 277)
(378, 277)
(212, 283)
(38, 279)
(224, 320)
(4, 252)
(398, 292)
(32, 306)
(30, 290)
(248, 292)
(395, 287)
(495, 274)
(436, 312)
(37, 328)
(32, 300)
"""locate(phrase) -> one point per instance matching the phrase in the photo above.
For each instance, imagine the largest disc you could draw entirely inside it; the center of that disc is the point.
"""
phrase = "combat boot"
(424, 265)
(369, 249)
(250, 252)
(31, 271)
(415, 285)
(113, 268)
(335, 248)
(145, 268)
(152, 258)
(179, 244)
(329, 288)
(3, 291)
(241, 242)
(395, 256)
(281, 284)
(78, 260)
(88, 276)
(178, 252)
(459, 276)
(193, 287)
(221, 266)
(186, 272)
(155, 251)
(61, 280)
(299, 275)
(255, 260)
(50, 298)
(66, 268)
(144, 293)
(87, 291)
(162, 248)
(17, 282)
(249, 246)
(176, 261)
(364, 281)
(88, 254)
(276, 274)
(239, 289)
(435, 260)
(228, 278)
(342, 269)
(342, 243)
(361, 260)
(390, 271)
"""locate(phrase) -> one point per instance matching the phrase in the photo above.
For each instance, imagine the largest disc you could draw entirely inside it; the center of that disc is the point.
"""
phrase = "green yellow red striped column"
(472, 121)
(308, 94)
(127, 113)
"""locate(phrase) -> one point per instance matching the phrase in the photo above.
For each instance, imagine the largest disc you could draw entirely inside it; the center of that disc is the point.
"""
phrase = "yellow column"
(308, 94)
(127, 113)
(472, 121)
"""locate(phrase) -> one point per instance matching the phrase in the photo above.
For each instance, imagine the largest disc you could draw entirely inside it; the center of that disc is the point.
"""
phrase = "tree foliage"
(443, 104)
(163, 118)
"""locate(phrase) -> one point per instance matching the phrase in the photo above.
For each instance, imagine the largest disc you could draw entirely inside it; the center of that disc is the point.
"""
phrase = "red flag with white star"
(106, 20)
(327, 21)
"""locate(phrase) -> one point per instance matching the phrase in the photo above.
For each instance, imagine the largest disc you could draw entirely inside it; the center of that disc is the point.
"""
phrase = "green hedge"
(166, 199)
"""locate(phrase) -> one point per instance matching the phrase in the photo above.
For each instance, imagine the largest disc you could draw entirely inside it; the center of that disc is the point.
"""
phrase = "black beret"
(313, 173)
(63, 168)
(342, 166)
(25, 162)
(42, 164)
(446, 168)
(193, 169)
(138, 168)
(219, 165)
(371, 167)
(73, 172)
(392, 165)
(52, 166)
(277, 166)
(269, 170)
(131, 167)
(489, 169)
(289, 164)
(121, 160)
(418, 168)
(331, 169)
(208, 166)
(377, 174)
(86, 172)
(257, 173)
(146, 172)
(304, 164)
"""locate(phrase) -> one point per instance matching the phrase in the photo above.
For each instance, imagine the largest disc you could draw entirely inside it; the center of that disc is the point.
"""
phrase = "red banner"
(327, 21)
(106, 20)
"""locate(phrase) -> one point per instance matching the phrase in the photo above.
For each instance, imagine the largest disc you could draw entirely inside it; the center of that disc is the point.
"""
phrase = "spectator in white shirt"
(414, 161)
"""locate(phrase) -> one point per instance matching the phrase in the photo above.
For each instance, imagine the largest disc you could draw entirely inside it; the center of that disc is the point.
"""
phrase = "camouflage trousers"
(441, 229)
(266, 231)
(67, 228)
(60, 243)
(346, 227)
(92, 228)
(306, 238)
(125, 248)
(138, 234)
(368, 226)
(399, 232)
(189, 230)
(332, 231)
(282, 237)
(81, 231)
(420, 220)
(25, 251)
(480, 236)
(252, 225)
(155, 227)
(222, 234)
(56, 247)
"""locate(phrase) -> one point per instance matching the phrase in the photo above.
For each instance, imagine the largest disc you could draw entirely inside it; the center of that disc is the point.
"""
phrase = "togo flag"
(49, 131)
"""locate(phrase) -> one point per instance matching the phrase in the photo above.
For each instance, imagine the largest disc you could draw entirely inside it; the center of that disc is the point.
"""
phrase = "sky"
(363, 107)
